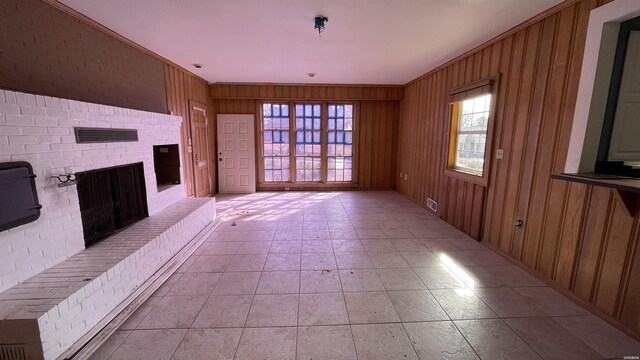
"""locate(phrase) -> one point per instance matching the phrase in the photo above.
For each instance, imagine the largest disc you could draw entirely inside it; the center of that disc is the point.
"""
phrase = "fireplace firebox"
(111, 199)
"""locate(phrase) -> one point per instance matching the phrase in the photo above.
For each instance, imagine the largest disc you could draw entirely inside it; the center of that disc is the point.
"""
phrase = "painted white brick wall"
(39, 129)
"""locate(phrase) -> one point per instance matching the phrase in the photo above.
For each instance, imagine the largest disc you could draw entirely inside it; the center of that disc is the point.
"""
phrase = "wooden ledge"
(627, 188)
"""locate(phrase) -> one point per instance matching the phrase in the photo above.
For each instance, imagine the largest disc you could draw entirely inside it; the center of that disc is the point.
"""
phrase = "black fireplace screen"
(111, 199)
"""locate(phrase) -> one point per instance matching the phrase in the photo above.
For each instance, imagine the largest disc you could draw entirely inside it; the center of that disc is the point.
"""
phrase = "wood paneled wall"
(378, 110)
(577, 235)
(182, 86)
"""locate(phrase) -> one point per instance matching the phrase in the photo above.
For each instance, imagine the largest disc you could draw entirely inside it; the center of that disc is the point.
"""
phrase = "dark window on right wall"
(619, 148)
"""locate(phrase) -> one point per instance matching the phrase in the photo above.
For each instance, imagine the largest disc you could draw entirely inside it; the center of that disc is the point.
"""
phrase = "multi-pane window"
(472, 116)
(340, 143)
(308, 142)
(275, 131)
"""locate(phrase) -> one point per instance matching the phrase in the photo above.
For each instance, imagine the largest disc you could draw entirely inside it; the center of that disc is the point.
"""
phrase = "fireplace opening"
(166, 163)
(111, 199)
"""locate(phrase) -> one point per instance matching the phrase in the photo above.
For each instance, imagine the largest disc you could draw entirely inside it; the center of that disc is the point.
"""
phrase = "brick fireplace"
(52, 290)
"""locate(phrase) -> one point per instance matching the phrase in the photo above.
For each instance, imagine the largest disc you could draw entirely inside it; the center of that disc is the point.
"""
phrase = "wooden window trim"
(292, 184)
(487, 85)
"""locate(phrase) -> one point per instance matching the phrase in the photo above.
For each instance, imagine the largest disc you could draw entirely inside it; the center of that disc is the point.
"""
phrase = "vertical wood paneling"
(578, 235)
(376, 132)
(181, 87)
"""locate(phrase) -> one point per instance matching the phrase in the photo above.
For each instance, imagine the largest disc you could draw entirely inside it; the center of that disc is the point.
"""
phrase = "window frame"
(484, 86)
(292, 183)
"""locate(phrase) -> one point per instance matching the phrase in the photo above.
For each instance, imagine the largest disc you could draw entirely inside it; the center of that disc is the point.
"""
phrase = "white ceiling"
(365, 41)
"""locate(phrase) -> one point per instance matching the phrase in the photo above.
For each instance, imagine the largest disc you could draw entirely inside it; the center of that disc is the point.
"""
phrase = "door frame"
(196, 105)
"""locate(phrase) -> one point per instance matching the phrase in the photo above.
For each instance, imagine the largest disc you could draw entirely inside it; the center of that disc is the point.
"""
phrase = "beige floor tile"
(149, 345)
(325, 342)
(462, 304)
(507, 303)
(134, 320)
(608, 341)
(224, 311)
(288, 234)
(378, 245)
(400, 279)
(417, 305)
(225, 236)
(360, 280)
(479, 277)
(382, 342)
(195, 284)
(254, 247)
(289, 225)
(319, 281)
(187, 264)
(370, 233)
(386, 260)
(279, 282)
(312, 246)
(550, 339)
(514, 276)
(253, 262)
(322, 309)
(213, 263)
(439, 340)
(421, 259)
(318, 261)
(286, 247)
(208, 344)
(409, 245)
(340, 246)
(111, 345)
(493, 339)
(221, 248)
(551, 302)
(259, 235)
(487, 257)
(267, 343)
(370, 307)
(273, 310)
(353, 260)
(282, 262)
(316, 234)
(343, 234)
(237, 283)
(173, 312)
(439, 278)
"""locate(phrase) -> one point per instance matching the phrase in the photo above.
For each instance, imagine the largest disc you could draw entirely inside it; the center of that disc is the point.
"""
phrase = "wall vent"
(13, 352)
(103, 135)
(432, 204)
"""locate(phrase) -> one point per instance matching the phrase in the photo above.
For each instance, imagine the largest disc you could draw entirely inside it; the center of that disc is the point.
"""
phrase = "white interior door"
(236, 154)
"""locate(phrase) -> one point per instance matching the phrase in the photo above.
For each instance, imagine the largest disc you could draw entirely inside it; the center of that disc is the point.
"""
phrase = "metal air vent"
(103, 135)
(13, 352)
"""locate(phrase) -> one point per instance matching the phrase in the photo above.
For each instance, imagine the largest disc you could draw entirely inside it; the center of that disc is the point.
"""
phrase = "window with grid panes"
(275, 141)
(339, 143)
(471, 133)
(308, 150)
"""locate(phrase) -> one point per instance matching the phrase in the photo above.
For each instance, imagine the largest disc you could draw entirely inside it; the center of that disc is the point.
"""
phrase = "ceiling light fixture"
(311, 75)
(198, 66)
(319, 23)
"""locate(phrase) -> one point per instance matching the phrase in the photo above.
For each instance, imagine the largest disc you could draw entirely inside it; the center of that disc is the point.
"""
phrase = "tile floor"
(354, 275)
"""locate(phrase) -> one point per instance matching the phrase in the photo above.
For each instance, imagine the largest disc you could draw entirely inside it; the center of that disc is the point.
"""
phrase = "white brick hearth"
(39, 130)
(52, 290)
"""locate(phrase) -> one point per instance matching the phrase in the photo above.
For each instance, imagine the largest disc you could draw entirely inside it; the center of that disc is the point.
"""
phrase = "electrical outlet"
(500, 154)
(400, 174)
